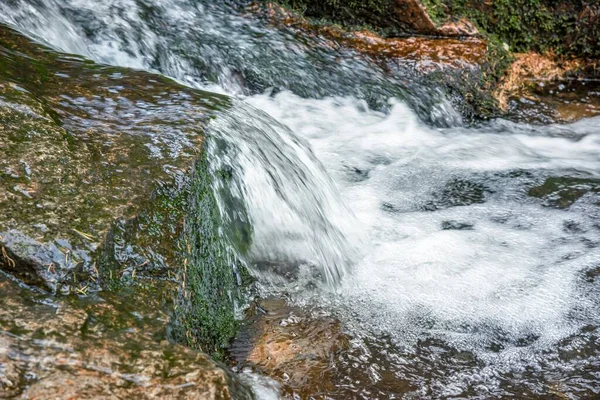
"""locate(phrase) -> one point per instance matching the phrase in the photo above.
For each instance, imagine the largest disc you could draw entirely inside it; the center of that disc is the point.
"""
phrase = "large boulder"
(104, 184)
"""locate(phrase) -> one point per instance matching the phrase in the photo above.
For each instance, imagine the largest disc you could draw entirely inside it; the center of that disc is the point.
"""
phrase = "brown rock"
(425, 53)
(547, 89)
(98, 349)
(293, 346)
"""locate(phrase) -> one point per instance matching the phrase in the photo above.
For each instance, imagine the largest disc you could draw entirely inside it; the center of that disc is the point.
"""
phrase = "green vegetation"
(570, 28)
(436, 9)
(562, 192)
(204, 316)
(374, 14)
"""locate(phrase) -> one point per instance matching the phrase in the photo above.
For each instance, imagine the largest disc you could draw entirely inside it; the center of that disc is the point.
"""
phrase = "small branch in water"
(84, 235)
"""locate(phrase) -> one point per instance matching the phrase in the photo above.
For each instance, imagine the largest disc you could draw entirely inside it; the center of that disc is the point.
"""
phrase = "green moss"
(436, 9)
(204, 316)
(562, 192)
(565, 27)
(374, 14)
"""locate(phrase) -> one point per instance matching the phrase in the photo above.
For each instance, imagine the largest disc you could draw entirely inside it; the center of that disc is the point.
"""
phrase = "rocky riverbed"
(397, 203)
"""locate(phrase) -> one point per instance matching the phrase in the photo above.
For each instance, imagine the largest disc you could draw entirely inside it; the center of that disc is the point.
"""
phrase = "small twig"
(83, 291)
(84, 235)
(10, 261)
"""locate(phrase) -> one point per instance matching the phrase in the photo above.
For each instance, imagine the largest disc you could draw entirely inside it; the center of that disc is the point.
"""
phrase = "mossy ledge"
(104, 185)
(570, 28)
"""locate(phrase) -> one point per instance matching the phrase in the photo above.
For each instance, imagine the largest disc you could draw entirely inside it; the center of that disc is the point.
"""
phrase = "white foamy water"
(295, 210)
(513, 271)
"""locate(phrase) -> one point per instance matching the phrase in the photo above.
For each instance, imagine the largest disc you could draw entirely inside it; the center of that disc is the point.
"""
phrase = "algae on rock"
(562, 192)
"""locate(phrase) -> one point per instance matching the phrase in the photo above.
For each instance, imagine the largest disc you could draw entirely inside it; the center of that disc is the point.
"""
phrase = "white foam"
(516, 272)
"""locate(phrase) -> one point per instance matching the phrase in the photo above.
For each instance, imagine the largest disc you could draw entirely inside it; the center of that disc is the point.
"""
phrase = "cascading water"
(293, 206)
(465, 259)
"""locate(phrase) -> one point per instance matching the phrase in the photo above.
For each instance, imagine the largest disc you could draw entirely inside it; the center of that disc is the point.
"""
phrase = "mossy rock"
(566, 27)
(562, 192)
(570, 28)
(102, 174)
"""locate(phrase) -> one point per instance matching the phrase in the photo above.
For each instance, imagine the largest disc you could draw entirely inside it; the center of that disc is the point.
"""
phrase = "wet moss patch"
(562, 192)
(204, 317)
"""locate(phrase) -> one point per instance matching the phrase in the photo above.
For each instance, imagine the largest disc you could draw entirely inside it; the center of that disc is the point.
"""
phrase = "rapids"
(446, 251)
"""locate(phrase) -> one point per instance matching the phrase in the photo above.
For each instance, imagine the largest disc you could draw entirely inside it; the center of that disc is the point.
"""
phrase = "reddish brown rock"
(293, 346)
(427, 53)
(546, 88)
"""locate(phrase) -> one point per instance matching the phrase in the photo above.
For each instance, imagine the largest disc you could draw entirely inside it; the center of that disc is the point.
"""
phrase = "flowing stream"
(464, 261)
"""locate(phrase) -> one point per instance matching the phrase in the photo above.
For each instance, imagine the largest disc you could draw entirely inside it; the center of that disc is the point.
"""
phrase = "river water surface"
(463, 261)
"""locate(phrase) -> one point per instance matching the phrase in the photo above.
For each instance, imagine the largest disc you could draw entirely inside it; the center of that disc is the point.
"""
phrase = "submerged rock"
(457, 192)
(394, 17)
(562, 192)
(292, 346)
(457, 226)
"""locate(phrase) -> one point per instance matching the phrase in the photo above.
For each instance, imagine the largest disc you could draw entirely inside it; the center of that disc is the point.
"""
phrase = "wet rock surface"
(426, 53)
(101, 347)
(452, 65)
(85, 146)
(561, 101)
(510, 51)
(293, 346)
(104, 184)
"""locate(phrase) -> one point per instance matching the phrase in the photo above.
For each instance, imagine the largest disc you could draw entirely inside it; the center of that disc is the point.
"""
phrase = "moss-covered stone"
(565, 27)
(349, 13)
(562, 192)
(204, 316)
(101, 187)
